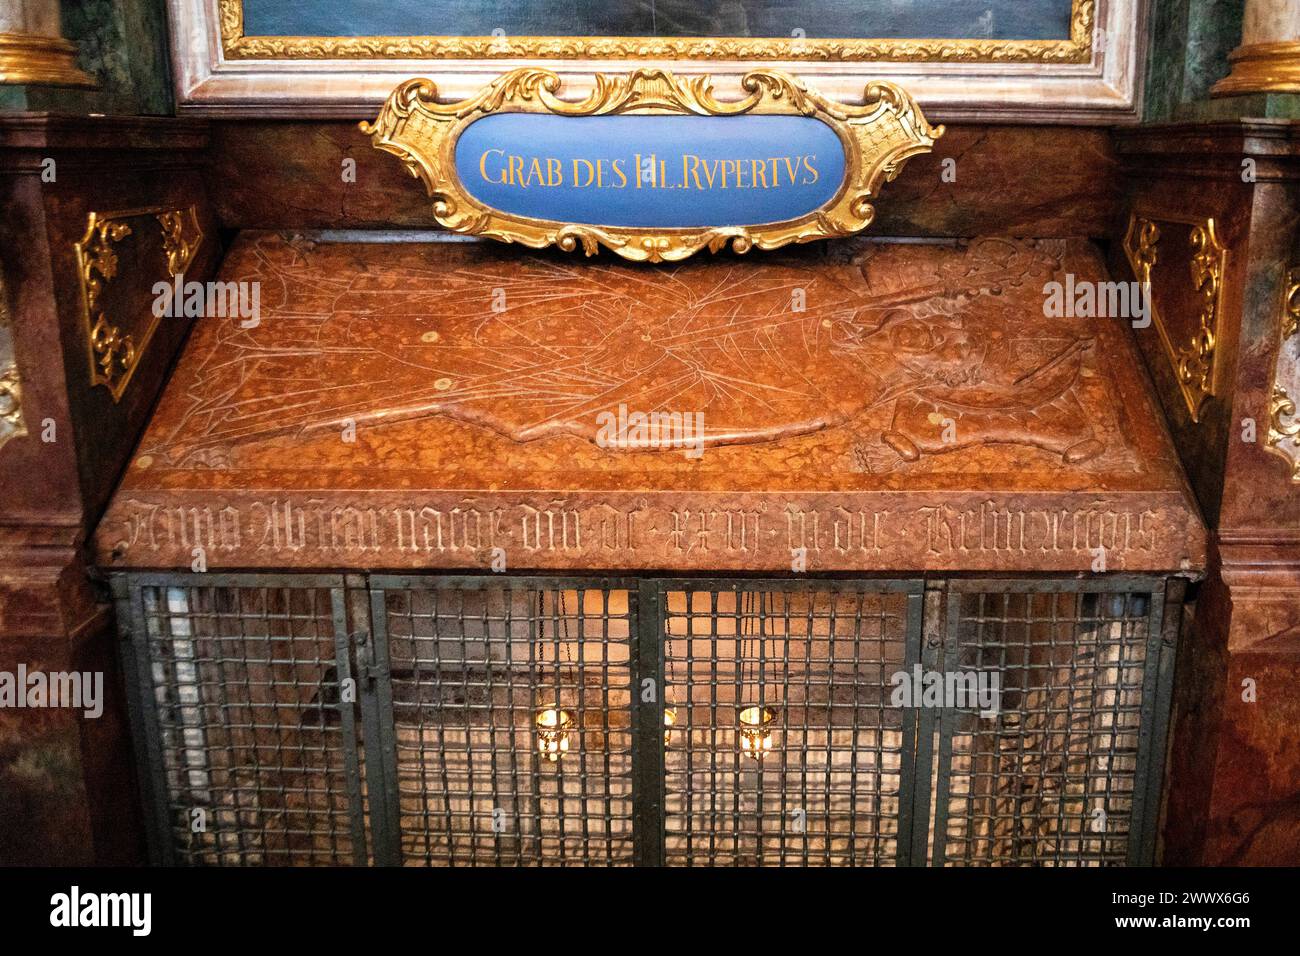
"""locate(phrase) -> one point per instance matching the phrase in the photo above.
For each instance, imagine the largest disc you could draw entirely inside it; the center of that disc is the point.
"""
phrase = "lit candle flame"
(756, 731)
(553, 733)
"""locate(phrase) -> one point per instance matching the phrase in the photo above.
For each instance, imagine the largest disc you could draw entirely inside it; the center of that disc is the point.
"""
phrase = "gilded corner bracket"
(1077, 48)
(118, 332)
(878, 137)
(1190, 343)
(1284, 424)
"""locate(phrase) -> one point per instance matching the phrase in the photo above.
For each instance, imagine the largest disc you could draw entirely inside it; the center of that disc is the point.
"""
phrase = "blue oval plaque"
(652, 166)
(651, 171)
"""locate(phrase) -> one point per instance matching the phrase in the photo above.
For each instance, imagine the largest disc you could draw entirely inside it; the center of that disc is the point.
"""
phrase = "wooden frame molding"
(219, 69)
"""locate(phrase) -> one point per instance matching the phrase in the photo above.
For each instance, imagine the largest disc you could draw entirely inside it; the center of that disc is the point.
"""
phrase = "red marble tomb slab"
(865, 406)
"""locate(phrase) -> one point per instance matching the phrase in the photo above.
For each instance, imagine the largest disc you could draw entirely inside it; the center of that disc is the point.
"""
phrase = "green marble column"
(1188, 60)
(121, 45)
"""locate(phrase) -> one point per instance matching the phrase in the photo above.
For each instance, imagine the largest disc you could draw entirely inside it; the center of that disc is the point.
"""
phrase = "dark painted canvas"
(885, 19)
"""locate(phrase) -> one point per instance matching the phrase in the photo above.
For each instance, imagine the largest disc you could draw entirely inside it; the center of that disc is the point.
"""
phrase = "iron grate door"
(506, 725)
(783, 747)
(448, 720)
(1068, 771)
(245, 717)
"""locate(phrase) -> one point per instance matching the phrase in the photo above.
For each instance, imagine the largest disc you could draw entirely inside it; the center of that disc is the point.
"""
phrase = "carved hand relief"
(1181, 261)
(1284, 423)
(652, 166)
(119, 258)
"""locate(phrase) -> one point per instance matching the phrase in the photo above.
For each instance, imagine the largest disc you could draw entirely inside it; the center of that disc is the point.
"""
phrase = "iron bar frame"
(361, 634)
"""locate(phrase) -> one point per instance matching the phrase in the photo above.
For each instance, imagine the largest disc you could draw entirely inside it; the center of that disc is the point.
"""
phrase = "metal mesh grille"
(828, 790)
(257, 756)
(473, 671)
(777, 726)
(1051, 778)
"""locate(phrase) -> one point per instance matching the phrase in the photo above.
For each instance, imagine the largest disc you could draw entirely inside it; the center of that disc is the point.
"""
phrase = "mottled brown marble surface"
(1233, 786)
(883, 406)
(66, 790)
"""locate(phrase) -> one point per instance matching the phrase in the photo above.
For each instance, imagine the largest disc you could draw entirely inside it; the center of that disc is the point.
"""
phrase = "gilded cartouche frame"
(878, 137)
(1078, 48)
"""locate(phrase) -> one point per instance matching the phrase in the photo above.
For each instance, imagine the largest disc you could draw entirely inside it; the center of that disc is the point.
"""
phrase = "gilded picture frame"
(878, 137)
(236, 44)
(1088, 68)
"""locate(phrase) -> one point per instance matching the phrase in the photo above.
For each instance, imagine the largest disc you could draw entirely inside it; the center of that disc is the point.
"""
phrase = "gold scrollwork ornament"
(1192, 359)
(179, 243)
(115, 347)
(11, 403)
(11, 385)
(113, 353)
(1196, 360)
(878, 138)
(1144, 252)
(1284, 425)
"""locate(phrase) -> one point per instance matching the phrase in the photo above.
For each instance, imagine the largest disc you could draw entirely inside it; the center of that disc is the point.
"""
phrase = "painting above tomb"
(972, 57)
(928, 30)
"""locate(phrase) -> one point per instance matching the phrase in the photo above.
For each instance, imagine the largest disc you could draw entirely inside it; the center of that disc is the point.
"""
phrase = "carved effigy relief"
(542, 350)
(873, 405)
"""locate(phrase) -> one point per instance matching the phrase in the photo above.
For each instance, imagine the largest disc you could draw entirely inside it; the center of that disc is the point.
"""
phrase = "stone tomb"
(862, 406)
